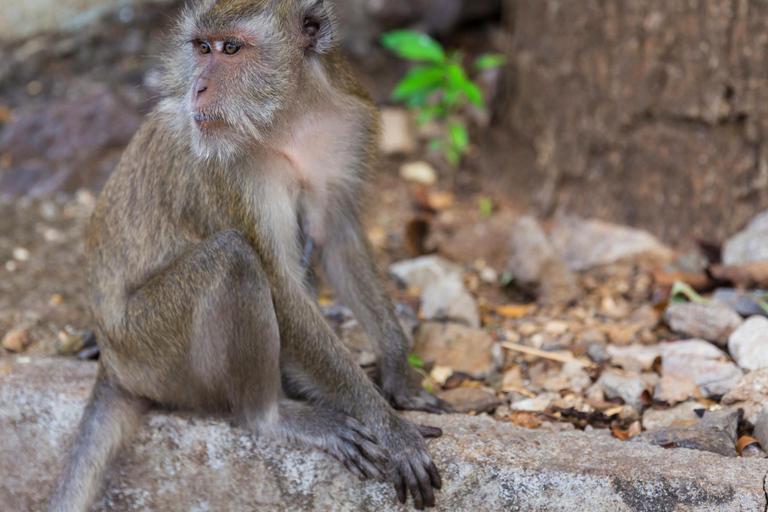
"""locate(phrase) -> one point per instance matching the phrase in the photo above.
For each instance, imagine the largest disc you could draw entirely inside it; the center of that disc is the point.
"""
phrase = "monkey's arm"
(349, 263)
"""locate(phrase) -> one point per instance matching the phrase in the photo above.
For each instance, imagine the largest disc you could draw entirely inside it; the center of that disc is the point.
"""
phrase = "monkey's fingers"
(425, 484)
(429, 432)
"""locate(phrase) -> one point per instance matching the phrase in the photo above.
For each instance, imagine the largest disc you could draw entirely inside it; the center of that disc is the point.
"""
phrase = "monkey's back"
(137, 224)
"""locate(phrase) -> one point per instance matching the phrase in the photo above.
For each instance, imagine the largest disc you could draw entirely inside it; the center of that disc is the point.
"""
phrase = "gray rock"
(589, 243)
(422, 271)
(712, 323)
(458, 347)
(761, 427)
(725, 420)
(464, 400)
(674, 388)
(695, 438)
(535, 266)
(716, 432)
(681, 415)
(702, 362)
(748, 344)
(634, 357)
(628, 387)
(181, 462)
(739, 301)
(749, 245)
(749, 394)
(448, 299)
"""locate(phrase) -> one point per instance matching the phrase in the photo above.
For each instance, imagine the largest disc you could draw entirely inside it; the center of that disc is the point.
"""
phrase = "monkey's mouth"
(206, 120)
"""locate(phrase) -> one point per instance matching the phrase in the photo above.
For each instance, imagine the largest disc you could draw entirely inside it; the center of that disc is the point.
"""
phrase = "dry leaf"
(621, 435)
(524, 419)
(745, 441)
(515, 310)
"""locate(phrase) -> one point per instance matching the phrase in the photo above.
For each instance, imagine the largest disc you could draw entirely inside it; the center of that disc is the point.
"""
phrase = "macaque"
(262, 138)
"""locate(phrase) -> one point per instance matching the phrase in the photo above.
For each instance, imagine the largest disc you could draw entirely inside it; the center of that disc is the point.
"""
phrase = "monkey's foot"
(410, 465)
(337, 434)
(412, 397)
(355, 447)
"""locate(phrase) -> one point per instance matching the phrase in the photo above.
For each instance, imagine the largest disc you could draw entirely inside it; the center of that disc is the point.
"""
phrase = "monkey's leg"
(315, 360)
(211, 311)
(349, 264)
(109, 420)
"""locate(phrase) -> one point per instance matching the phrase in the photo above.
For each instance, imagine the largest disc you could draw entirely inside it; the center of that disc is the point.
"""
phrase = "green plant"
(439, 88)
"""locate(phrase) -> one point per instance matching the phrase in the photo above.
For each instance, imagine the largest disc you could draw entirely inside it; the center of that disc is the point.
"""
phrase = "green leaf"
(473, 93)
(419, 83)
(415, 361)
(429, 113)
(452, 155)
(486, 207)
(459, 136)
(681, 289)
(490, 61)
(413, 45)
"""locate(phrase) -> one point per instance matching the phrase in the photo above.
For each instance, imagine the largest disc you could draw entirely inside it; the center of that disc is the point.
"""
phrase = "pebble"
(681, 415)
(629, 387)
(748, 344)
(397, 137)
(423, 271)
(749, 394)
(448, 299)
(455, 346)
(419, 172)
(712, 323)
(675, 388)
(465, 400)
(16, 340)
(702, 362)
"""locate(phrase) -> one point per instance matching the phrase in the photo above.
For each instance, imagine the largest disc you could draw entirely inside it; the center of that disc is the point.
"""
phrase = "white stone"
(748, 344)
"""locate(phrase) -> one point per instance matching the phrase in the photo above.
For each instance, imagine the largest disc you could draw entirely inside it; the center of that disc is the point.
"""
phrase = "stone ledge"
(180, 462)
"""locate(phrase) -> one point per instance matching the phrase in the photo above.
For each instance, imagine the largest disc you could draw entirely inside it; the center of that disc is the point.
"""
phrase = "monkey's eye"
(231, 48)
(205, 48)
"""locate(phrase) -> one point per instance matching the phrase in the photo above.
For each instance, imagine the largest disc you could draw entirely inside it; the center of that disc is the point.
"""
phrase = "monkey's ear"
(317, 28)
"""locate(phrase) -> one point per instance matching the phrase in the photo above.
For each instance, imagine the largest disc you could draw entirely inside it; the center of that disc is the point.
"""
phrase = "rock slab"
(180, 462)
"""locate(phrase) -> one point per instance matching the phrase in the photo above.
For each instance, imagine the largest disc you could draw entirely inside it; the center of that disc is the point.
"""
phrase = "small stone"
(397, 137)
(724, 420)
(645, 316)
(598, 352)
(748, 344)
(629, 387)
(458, 347)
(593, 336)
(448, 299)
(71, 343)
(740, 301)
(540, 403)
(21, 254)
(440, 374)
(464, 400)
(712, 323)
(16, 340)
(702, 362)
(584, 244)
(694, 438)
(674, 388)
(489, 275)
(512, 379)
(749, 394)
(419, 172)
(761, 427)
(634, 358)
(750, 245)
(423, 271)
(681, 415)
(536, 267)
(556, 327)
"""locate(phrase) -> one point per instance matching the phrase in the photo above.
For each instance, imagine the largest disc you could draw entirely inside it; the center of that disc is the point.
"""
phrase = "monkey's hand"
(410, 465)
(406, 393)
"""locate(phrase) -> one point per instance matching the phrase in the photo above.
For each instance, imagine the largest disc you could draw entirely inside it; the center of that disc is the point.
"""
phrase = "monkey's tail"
(110, 419)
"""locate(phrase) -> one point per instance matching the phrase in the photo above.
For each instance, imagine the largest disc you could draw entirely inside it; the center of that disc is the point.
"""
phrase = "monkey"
(262, 138)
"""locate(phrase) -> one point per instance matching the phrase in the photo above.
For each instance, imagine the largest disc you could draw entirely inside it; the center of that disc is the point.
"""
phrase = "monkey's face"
(238, 66)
